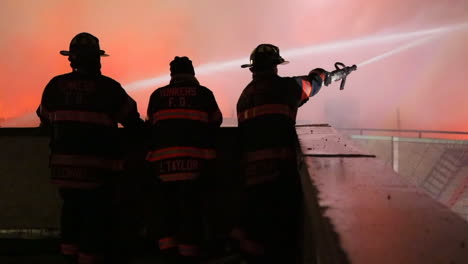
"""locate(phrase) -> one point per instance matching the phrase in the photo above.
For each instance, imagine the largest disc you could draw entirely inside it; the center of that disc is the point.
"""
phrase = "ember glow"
(414, 53)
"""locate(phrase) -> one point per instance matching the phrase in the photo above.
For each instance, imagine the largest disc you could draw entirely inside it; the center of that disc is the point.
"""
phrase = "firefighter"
(184, 118)
(82, 109)
(266, 113)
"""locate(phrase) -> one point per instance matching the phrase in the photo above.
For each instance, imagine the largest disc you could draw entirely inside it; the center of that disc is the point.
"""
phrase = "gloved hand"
(324, 75)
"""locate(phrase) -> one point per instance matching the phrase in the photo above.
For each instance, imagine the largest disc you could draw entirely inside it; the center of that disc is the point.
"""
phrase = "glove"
(324, 76)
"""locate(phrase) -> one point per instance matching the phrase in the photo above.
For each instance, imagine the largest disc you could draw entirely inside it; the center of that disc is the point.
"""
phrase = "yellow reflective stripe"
(167, 242)
(90, 259)
(81, 116)
(75, 184)
(306, 89)
(69, 249)
(268, 109)
(180, 114)
(270, 153)
(179, 176)
(174, 152)
(189, 250)
(85, 161)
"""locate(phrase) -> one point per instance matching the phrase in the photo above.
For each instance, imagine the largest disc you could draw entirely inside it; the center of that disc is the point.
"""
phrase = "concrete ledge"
(372, 215)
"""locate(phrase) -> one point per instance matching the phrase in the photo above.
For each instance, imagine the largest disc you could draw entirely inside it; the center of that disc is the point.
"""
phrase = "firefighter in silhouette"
(82, 109)
(184, 118)
(266, 113)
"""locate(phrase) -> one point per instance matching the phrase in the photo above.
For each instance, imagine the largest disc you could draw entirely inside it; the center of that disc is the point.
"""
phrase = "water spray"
(343, 71)
(313, 49)
(396, 50)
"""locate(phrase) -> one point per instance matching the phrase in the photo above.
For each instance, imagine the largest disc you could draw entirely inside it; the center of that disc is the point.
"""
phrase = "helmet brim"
(251, 65)
(68, 53)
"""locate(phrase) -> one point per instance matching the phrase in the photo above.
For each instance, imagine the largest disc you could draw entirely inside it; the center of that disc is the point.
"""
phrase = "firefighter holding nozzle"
(271, 211)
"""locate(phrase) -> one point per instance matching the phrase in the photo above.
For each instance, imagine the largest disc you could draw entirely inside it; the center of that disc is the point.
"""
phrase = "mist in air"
(405, 67)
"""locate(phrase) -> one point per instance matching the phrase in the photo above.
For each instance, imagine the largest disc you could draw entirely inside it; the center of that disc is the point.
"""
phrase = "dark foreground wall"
(29, 201)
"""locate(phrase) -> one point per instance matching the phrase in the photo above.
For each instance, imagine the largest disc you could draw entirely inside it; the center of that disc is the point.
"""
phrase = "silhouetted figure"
(184, 118)
(83, 109)
(266, 112)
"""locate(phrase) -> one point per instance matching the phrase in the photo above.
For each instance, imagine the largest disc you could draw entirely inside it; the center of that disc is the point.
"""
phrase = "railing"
(418, 131)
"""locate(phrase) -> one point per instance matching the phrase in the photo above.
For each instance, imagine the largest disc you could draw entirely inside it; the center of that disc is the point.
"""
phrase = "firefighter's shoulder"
(110, 81)
(158, 90)
(205, 90)
(56, 80)
(60, 77)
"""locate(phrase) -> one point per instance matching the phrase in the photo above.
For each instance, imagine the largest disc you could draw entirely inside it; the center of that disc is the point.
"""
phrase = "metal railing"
(419, 132)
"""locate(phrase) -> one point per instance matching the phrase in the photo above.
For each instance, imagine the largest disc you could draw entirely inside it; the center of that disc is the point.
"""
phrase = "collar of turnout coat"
(264, 74)
(186, 78)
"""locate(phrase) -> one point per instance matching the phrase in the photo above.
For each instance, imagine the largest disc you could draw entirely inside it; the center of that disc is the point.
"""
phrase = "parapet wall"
(437, 166)
(362, 211)
(27, 199)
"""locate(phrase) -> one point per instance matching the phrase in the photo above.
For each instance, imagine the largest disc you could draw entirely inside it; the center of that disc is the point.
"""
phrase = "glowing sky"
(427, 83)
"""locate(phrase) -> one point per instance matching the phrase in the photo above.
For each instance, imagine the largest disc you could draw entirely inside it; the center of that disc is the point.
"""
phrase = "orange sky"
(427, 83)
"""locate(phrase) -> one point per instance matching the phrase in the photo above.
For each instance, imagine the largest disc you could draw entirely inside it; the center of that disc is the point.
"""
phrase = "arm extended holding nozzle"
(341, 72)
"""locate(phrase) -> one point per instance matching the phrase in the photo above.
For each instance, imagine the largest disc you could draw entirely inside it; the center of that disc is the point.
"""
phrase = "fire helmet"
(84, 44)
(265, 55)
(181, 65)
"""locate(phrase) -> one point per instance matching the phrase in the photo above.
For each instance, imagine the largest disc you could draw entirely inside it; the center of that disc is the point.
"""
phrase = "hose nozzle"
(341, 72)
